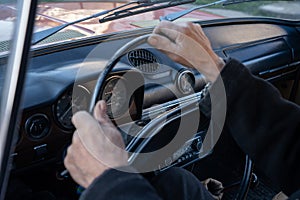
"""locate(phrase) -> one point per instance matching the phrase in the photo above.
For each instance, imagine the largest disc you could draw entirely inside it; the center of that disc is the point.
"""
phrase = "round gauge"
(115, 95)
(72, 101)
(186, 82)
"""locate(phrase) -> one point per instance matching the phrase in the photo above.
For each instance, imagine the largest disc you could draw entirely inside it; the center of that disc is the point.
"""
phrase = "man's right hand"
(187, 44)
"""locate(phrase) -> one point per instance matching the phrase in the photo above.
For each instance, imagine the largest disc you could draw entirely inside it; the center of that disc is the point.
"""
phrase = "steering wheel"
(183, 114)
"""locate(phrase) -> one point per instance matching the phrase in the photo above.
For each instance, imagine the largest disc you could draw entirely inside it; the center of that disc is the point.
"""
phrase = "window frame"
(13, 86)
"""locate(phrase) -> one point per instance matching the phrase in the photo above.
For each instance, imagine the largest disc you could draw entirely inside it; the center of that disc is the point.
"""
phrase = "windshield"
(52, 13)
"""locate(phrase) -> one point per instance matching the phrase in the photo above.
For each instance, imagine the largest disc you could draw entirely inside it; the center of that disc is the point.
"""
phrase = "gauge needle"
(63, 116)
(77, 107)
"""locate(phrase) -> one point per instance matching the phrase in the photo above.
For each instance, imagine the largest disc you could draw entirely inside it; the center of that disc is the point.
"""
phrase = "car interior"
(145, 93)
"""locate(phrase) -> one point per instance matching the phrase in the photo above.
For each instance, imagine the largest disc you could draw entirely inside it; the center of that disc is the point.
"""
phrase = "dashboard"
(144, 84)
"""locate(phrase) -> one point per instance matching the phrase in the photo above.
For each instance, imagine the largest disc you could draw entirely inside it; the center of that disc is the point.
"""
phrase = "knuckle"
(187, 27)
(67, 161)
(186, 30)
(180, 37)
(190, 24)
(69, 152)
(157, 29)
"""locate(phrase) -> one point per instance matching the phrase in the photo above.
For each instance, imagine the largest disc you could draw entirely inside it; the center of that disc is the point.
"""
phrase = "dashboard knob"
(199, 144)
(37, 126)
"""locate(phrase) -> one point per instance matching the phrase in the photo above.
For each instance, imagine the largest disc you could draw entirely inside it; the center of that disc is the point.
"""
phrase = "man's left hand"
(96, 146)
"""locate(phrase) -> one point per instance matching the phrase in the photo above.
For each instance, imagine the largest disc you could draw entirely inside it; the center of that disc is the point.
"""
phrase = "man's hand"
(187, 44)
(96, 146)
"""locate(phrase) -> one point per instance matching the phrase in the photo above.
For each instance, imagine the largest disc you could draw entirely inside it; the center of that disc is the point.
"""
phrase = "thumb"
(100, 113)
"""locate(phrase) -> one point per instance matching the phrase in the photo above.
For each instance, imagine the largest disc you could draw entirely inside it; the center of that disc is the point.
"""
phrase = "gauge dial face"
(115, 95)
(71, 102)
(185, 82)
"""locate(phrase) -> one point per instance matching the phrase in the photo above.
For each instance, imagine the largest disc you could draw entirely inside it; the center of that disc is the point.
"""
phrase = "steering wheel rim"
(246, 180)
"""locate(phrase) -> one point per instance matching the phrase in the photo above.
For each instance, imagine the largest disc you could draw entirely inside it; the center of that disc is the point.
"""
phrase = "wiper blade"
(148, 5)
(42, 35)
(176, 15)
(230, 2)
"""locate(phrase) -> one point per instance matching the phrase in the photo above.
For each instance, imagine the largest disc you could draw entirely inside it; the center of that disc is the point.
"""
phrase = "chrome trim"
(159, 109)
(161, 112)
(161, 123)
(40, 146)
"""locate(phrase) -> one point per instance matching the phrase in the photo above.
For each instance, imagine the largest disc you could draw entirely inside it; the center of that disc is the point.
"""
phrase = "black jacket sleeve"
(264, 125)
(120, 184)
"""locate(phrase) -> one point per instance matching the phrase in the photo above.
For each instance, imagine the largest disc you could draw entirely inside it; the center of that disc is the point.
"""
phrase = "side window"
(8, 17)
(16, 24)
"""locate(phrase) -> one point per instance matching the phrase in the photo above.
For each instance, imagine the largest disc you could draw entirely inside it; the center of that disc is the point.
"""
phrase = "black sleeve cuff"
(226, 84)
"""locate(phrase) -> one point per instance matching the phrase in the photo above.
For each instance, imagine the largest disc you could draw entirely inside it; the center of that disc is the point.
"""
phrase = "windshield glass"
(7, 25)
(52, 13)
(7, 19)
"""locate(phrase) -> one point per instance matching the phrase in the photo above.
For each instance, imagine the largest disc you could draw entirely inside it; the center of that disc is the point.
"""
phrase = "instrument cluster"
(122, 99)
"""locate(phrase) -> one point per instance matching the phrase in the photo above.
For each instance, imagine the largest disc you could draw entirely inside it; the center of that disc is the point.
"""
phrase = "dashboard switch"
(41, 151)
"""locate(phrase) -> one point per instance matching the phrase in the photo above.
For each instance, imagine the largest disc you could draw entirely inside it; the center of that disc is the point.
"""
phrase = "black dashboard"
(61, 79)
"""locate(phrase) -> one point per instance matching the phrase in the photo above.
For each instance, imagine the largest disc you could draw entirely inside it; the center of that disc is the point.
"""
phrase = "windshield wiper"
(117, 13)
(42, 35)
(176, 15)
(230, 2)
(148, 5)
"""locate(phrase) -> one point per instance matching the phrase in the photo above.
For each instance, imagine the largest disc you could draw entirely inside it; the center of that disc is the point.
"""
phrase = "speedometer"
(70, 102)
(116, 97)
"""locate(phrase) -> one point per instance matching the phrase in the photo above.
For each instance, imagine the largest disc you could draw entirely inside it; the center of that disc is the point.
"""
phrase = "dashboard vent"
(143, 60)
